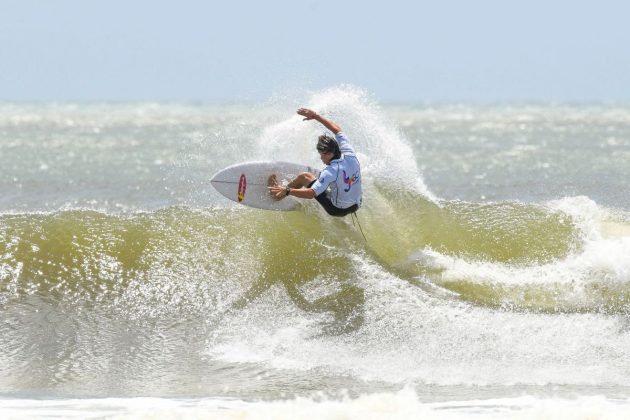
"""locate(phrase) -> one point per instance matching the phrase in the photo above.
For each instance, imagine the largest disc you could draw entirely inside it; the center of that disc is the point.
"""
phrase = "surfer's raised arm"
(312, 115)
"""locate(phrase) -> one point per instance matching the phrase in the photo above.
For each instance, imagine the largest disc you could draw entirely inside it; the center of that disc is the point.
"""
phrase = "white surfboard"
(246, 183)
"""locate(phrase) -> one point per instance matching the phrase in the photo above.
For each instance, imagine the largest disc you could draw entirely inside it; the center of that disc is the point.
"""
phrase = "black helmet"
(325, 143)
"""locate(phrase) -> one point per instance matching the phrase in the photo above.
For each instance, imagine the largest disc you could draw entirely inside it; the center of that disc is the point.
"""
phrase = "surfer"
(338, 187)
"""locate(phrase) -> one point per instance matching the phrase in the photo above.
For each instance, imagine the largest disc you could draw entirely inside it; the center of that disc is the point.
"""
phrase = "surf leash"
(360, 228)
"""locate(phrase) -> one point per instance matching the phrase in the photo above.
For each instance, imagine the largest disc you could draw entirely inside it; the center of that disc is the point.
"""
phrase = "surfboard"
(246, 183)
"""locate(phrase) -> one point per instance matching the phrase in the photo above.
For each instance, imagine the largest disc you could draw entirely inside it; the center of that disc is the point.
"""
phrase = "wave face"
(156, 285)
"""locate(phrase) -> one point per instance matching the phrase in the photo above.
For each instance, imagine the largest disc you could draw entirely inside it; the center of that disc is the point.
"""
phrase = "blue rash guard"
(341, 179)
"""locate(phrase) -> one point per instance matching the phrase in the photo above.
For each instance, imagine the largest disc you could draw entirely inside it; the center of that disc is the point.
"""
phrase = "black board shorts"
(330, 208)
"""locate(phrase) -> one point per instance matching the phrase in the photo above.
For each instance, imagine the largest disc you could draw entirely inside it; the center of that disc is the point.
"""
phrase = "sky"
(248, 51)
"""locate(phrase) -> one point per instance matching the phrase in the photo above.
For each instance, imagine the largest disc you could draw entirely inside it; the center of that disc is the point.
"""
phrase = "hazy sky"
(236, 50)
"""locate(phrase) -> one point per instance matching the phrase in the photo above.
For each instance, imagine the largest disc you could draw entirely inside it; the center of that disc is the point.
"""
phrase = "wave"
(509, 255)
(173, 260)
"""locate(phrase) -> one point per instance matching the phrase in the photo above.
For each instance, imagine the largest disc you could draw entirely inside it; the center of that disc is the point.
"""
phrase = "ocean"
(493, 280)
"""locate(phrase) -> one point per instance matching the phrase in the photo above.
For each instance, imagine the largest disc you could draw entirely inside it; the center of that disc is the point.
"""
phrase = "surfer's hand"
(278, 192)
(312, 115)
(307, 113)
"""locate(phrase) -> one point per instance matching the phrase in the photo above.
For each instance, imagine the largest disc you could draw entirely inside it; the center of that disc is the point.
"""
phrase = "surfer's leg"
(302, 180)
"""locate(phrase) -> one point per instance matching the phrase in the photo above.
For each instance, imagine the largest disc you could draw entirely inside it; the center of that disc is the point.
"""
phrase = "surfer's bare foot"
(274, 188)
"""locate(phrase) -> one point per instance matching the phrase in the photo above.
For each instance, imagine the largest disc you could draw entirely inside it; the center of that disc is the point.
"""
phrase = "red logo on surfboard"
(242, 186)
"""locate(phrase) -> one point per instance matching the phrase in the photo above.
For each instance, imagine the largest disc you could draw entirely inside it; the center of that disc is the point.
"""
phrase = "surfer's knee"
(305, 178)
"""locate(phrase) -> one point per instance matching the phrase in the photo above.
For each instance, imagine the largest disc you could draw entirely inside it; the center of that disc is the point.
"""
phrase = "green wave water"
(85, 256)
